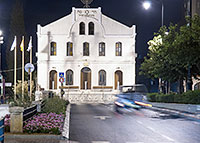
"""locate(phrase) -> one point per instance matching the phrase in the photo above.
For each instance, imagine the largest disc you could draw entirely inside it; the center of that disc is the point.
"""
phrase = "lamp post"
(147, 5)
(1, 76)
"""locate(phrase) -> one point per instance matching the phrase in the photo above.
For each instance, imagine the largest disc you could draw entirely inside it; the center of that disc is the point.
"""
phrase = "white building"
(92, 50)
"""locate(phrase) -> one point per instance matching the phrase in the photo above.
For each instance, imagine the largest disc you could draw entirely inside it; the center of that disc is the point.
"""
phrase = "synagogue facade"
(92, 50)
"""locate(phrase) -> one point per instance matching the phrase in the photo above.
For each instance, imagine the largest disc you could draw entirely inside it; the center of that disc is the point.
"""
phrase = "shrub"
(151, 97)
(190, 97)
(55, 105)
(7, 123)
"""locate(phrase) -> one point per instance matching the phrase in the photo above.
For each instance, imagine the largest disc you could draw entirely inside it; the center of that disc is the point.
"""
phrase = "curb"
(183, 114)
(19, 136)
(65, 133)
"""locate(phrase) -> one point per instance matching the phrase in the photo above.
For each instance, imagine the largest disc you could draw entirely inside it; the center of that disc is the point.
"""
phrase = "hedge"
(190, 97)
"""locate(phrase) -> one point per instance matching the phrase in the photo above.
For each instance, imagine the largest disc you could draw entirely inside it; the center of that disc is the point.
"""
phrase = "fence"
(29, 112)
(2, 130)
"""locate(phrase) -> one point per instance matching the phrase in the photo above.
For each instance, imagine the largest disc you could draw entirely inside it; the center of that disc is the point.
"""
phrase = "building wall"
(66, 30)
(192, 7)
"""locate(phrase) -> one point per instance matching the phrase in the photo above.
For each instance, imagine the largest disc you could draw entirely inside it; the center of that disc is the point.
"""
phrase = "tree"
(171, 55)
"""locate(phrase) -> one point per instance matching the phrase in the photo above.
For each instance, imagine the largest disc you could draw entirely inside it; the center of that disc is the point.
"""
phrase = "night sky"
(128, 12)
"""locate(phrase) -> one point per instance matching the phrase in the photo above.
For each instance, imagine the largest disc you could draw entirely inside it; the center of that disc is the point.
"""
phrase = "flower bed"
(51, 123)
(7, 123)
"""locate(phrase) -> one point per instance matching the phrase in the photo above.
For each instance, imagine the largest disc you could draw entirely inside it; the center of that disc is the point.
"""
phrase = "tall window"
(118, 49)
(86, 49)
(69, 49)
(69, 77)
(91, 28)
(102, 49)
(82, 28)
(53, 48)
(102, 77)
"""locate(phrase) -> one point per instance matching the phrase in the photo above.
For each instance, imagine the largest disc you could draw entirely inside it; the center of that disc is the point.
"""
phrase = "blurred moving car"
(131, 96)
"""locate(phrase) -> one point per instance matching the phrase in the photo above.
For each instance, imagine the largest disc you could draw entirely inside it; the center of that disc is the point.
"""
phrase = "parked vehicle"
(131, 96)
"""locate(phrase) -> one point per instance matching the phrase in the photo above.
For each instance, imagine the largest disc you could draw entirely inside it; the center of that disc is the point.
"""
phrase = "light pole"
(1, 76)
(147, 5)
(1, 42)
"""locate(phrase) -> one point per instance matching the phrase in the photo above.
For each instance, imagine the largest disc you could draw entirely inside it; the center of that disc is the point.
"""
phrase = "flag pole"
(22, 49)
(15, 70)
(31, 72)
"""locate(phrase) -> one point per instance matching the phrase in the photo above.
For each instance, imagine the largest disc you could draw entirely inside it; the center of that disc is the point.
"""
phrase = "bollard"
(16, 119)
(38, 104)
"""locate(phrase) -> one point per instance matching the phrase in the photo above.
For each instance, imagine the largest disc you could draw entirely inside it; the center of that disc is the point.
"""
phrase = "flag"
(29, 44)
(22, 44)
(14, 44)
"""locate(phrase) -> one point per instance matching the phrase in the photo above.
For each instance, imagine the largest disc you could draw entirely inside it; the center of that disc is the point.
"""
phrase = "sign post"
(62, 79)
(29, 68)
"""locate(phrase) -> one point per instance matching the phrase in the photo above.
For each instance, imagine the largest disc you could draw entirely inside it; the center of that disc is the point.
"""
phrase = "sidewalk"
(192, 116)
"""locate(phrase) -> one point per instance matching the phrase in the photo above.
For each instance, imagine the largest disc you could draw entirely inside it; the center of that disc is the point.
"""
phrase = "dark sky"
(128, 12)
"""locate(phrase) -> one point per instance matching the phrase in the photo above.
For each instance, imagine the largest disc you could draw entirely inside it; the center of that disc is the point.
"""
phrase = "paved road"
(99, 124)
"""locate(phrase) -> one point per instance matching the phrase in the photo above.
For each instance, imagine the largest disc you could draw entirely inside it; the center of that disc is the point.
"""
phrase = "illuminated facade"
(92, 50)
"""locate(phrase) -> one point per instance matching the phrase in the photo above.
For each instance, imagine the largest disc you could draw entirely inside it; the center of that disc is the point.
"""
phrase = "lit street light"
(1, 42)
(147, 5)
(1, 76)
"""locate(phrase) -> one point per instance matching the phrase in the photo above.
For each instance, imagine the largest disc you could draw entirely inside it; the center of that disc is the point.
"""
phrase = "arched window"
(118, 49)
(53, 79)
(91, 28)
(82, 28)
(69, 49)
(102, 49)
(86, 49)
(69, 77)
(53, 48)
(102, 77)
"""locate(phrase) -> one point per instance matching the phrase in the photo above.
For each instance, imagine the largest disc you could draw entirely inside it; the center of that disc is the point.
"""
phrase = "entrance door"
(118, 79)
(53, 79)
(86, 78)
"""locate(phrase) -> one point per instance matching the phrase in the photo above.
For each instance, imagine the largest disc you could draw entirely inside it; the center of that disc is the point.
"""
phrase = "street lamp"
(1, 76)
(147, 5)
(1, 42)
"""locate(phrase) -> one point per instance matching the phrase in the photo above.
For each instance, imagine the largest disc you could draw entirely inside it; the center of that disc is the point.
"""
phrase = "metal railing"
(2, 130)
(29, 112)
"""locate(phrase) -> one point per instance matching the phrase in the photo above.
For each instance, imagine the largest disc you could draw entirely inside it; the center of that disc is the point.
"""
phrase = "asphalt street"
(98, 123)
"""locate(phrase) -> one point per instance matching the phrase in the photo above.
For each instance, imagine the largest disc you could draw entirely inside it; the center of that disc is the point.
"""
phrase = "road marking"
(151, 128)
(102, 117)
(100, 142)
(63, 141)
(167, 137)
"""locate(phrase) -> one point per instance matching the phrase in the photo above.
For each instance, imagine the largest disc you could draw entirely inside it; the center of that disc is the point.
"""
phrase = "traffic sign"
(61, 74)
(29, 67)
(61, 79)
